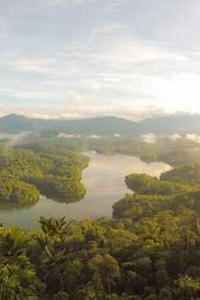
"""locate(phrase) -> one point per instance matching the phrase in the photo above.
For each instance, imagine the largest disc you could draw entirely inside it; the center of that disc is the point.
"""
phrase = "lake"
(104, 181)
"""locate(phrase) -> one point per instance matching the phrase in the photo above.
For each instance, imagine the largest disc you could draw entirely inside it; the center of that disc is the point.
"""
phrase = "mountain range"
(104, 125)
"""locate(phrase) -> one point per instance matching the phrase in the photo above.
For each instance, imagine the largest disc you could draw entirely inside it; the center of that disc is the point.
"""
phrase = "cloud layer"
(80, 58)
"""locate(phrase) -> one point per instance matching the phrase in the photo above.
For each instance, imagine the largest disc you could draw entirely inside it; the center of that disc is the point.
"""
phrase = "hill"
(105, 125)
(100, 125)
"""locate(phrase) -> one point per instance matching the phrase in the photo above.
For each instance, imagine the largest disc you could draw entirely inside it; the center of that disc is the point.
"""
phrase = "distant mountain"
(100, 125)
(105, 125)
(171, 124)
(14, 123)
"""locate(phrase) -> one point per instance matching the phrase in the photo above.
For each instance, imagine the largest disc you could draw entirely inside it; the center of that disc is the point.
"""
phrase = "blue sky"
(80, 58)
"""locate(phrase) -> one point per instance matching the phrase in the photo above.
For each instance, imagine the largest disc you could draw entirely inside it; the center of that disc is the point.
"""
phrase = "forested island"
(25, 173)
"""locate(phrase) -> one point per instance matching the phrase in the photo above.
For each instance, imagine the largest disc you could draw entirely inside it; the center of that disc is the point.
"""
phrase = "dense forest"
(54, 172)
(145, 184)
(148, 251)
(174, 151)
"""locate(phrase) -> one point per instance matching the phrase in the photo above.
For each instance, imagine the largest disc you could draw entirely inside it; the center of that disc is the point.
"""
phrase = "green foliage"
(61, 296)
(153, 256)
(148, 251)
(145, 184)
(15, 191)
(55, 173)
(60, 188)
(187, 174)
(174, 152)
(18, 278)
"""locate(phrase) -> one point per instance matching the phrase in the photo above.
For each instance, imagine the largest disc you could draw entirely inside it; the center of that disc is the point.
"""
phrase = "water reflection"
(104, 181)
(8, 206)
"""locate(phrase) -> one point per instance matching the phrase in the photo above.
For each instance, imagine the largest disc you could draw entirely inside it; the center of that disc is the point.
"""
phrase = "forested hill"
(101, 125)
(105, 125)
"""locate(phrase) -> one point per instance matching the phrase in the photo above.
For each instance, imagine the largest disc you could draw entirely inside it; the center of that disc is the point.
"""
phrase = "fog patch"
(95, 136)
(149, 138)
(174, 137)
(67, 136)
(193, 137)
(14, 139)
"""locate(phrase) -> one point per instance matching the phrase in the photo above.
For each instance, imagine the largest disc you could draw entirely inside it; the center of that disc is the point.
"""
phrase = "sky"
(83, 58)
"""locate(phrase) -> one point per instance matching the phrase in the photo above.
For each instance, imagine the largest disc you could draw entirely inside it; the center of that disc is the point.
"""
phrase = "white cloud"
(33, 65)
(119, 76)
(67, 2)
(129, 51)
(75, 111)
(106, 71)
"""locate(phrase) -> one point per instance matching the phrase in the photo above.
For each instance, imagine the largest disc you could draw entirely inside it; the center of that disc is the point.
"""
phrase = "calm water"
(104, 181)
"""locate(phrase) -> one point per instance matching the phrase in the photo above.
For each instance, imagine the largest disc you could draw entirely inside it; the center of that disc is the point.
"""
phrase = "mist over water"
(104, 182)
